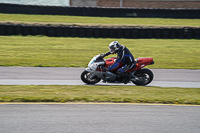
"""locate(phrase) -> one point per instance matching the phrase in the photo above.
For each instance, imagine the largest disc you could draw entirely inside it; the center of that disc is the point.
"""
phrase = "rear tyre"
(85, 77)
(144, 77)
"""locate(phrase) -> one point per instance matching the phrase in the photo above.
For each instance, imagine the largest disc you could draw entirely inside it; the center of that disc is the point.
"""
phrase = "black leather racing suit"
(124, 56)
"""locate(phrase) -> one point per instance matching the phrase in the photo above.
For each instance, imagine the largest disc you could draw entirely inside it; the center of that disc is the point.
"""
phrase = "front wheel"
(143, 77)
(85, 77)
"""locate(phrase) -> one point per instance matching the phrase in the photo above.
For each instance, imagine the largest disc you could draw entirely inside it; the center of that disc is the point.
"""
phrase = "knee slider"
(120, 71)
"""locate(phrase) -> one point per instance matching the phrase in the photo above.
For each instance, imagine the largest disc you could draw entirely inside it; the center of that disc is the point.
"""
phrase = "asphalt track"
(98, 118)
(71, 76)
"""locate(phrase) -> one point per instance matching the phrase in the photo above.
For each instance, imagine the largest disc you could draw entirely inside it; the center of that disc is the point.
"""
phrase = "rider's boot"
(126, 78)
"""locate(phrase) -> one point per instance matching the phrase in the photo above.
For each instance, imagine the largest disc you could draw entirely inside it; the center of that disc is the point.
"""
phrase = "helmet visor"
(112, 49)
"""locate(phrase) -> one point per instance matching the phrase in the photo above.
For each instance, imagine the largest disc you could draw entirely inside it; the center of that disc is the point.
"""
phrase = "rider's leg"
(122, 75)
(126, 75)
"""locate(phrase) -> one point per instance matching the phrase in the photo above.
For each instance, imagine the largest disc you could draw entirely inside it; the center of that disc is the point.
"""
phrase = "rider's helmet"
(114, 46)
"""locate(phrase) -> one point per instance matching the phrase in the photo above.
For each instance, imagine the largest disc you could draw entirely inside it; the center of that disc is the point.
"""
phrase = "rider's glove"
(102, 55)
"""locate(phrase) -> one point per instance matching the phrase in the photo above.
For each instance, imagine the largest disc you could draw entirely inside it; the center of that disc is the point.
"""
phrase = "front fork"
(91, 72)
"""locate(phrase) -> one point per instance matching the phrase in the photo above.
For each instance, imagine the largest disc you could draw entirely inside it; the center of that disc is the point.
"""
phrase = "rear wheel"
(85, 77)
(143, 77)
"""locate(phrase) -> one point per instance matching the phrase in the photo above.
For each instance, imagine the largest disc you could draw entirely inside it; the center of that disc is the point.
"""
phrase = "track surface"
(98, 118)
(71, 76)
(95, 118)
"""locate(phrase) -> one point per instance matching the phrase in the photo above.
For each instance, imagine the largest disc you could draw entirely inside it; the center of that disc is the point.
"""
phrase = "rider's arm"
(106, 54)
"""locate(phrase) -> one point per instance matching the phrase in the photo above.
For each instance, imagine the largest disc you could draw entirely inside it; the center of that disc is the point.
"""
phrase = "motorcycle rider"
(124, 56)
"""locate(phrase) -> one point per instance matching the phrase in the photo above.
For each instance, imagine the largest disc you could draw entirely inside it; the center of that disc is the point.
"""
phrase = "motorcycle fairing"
(106, 76)
(140, 63)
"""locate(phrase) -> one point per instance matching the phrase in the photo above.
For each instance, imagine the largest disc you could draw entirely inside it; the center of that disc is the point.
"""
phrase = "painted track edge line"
(92, 103)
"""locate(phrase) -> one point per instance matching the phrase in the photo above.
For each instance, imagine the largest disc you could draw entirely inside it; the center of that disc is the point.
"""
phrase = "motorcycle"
(137, 75)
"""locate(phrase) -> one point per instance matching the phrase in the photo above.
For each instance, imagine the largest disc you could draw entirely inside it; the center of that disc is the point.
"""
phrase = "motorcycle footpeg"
(132, 79)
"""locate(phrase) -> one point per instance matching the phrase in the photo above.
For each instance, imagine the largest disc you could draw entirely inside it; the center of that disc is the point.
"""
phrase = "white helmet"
(114, 46)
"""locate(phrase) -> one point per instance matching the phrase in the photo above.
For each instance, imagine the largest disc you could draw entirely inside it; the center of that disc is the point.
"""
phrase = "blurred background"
(190, 4)
(167, 30)
(38, 2)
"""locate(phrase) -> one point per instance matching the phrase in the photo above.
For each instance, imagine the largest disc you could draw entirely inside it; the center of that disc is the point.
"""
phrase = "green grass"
(124, 94)
(102, 21)
(77, 52)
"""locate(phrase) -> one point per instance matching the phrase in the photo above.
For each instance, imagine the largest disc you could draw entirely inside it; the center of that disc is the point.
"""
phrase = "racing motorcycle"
(137, 75)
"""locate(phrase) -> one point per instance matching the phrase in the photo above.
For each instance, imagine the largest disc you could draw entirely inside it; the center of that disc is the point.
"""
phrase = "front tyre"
(143, 77)
(85, 77)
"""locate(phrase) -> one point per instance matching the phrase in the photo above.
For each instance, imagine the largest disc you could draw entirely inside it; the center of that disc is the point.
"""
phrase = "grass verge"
(116, 94)
(32, 51)
(99, 21)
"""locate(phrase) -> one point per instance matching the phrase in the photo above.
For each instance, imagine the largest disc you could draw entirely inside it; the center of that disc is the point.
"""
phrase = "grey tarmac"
(98, 118)
(95, 117)
(71, 76)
